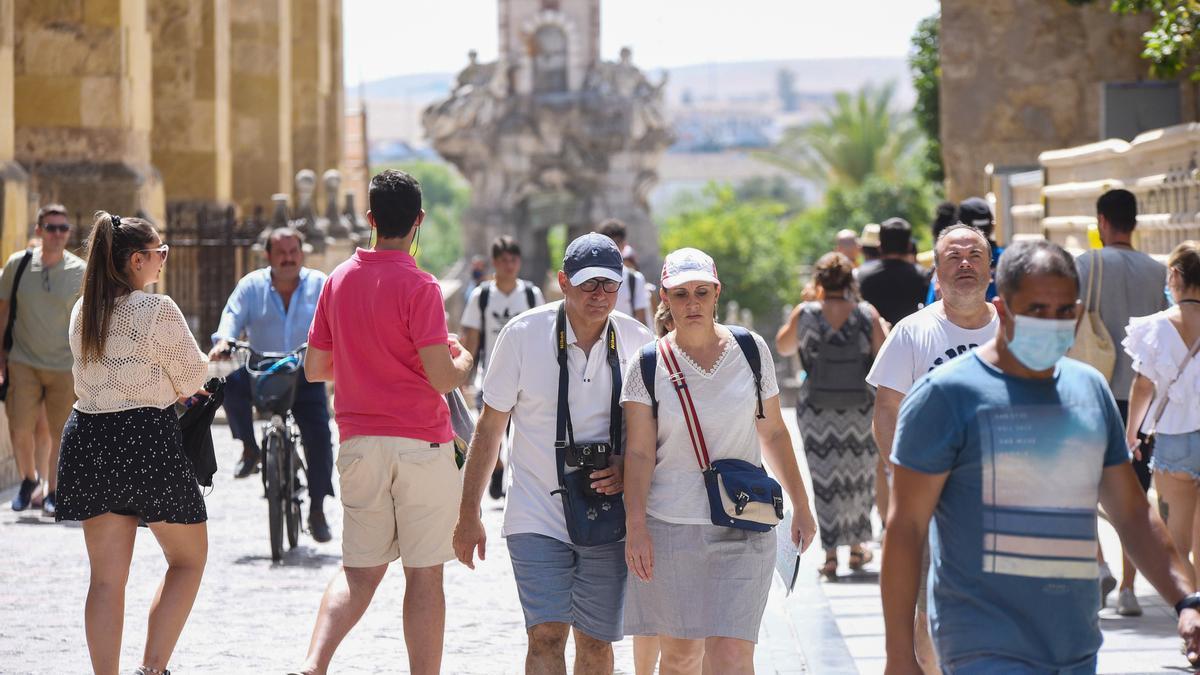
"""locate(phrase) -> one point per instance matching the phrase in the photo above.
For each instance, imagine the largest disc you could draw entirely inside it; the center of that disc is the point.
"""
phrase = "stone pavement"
(252, 616)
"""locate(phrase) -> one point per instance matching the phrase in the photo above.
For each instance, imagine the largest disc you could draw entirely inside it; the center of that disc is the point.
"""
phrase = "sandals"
(829, 569)
(859, 559)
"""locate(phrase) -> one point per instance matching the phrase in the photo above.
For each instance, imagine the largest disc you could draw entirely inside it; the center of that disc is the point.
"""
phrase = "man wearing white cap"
(556, 372)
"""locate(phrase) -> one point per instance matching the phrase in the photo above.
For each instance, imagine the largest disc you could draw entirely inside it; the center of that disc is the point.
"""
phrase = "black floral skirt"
(129, 463)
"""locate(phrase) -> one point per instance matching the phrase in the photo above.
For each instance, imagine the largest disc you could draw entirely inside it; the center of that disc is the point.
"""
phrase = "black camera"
(590, 457)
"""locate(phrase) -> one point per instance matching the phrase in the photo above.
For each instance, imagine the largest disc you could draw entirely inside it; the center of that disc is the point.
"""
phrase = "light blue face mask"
(1170, 298)
(1039, 343)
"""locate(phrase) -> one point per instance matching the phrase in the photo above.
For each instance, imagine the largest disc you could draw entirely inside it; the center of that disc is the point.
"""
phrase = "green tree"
(1171, 42)
(859, 136)
(750, 240)
(925, 64)
(445, 197)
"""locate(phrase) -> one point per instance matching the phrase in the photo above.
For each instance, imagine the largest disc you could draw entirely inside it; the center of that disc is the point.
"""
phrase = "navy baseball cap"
(590, 256)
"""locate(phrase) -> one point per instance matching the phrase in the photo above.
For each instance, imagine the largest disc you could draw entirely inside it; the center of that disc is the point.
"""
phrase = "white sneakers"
(1127, 603)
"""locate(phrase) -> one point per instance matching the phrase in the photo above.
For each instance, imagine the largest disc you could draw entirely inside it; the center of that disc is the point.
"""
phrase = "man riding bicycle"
(274, 308)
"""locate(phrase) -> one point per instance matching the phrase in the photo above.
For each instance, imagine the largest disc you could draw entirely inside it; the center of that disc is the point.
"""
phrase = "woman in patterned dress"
(122, 457)
(837, 442)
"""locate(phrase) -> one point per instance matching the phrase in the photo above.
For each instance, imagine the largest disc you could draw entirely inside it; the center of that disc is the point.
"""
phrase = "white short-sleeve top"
(1158, 351)
(725, 403)
(150, 357)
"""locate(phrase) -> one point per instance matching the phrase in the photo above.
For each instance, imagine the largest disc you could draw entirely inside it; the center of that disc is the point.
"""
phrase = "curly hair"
(834, 272)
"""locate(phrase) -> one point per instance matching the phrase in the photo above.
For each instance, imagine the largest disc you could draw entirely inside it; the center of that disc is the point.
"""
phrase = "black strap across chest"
(12, 300)
(565, 432)
(485, 290)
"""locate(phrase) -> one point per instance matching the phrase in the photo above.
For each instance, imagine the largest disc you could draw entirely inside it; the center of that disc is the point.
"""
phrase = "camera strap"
(565, 433)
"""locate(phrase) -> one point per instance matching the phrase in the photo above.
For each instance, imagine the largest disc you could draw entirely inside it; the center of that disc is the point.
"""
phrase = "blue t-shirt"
(1013, 539)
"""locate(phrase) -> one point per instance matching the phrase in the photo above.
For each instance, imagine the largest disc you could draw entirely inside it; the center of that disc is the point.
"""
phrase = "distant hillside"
(395, 103)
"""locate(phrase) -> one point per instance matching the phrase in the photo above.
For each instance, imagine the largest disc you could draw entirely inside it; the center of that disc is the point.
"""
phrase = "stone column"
(335, 98)
(261, 47)
(191, 136)
(83, 105)
(14, 182)
(310, 83)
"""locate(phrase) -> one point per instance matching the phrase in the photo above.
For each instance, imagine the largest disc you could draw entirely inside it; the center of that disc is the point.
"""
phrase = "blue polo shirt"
(257, 308)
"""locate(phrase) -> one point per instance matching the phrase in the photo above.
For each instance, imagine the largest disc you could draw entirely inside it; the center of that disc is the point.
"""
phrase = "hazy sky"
(400, 37)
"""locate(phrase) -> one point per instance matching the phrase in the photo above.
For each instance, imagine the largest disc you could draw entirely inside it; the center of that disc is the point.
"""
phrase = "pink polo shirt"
(376, 310)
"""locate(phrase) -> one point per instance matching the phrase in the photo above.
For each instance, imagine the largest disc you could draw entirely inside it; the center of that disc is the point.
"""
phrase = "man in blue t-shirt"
(1009, 449)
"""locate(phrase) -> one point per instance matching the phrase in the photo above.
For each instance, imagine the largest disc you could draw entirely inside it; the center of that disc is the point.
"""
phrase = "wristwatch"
(1188, 602)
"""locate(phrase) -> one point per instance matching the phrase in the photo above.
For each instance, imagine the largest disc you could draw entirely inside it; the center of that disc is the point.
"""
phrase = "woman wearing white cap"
(700, 577)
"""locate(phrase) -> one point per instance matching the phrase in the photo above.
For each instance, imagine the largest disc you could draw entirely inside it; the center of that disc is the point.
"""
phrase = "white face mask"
(1039, 343)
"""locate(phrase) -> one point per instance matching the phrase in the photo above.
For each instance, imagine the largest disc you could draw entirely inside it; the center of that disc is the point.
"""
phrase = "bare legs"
(1177, 495)
(645, 654)
(109, 539)
(547, 652)
(347, 598)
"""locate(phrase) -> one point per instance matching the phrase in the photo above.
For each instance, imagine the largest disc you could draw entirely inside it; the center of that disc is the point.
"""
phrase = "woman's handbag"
(1146, 440)
(740, 495)
(1093, 345)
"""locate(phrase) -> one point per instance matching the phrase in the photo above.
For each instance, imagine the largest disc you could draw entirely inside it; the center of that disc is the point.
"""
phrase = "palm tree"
(859, 136)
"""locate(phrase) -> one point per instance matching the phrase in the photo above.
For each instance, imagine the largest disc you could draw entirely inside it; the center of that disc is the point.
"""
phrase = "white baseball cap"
(688, 264)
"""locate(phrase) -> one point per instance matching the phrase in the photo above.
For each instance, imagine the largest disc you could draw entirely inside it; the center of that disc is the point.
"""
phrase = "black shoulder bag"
(12, 318)
(593, 519)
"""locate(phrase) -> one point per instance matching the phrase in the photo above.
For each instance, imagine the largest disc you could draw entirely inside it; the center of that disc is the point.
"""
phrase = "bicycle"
(273, 380)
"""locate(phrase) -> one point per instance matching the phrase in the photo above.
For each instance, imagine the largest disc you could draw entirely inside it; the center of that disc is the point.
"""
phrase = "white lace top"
(1157, 351)
(150, 357)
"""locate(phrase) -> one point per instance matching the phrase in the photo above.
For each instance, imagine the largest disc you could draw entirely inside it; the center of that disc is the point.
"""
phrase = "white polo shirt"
(633, 282)
(523, 378)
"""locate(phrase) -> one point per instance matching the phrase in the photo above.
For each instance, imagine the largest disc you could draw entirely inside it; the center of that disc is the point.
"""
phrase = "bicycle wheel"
(291, 502)
(274, 476)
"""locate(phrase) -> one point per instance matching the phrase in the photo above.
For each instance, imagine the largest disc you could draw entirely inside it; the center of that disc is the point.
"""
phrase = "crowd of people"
(629, 433)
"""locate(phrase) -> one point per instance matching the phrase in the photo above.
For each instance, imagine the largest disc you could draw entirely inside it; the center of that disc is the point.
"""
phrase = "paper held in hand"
(787, 555)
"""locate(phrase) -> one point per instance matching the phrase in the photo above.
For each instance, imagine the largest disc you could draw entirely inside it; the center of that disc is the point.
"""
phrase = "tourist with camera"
(556, 371)
(702, 408)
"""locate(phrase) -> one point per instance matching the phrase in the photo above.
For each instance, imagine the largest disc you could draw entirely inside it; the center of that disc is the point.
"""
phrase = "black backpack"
(485, 289)
(649, 364)
(837, 373)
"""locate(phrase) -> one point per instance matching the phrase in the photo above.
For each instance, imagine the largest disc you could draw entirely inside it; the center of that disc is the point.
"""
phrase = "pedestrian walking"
(1125, 283)
(632, 298)
(954, 325)
(563, 519)
(37, 290)
(1164, 401)
(1009, 449)
(837, 339)
(894, 286)
(379, 334)
(702, 408)
(122, 457)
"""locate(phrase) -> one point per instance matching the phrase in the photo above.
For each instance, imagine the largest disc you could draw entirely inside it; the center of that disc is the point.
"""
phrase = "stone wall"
(14, 181)
(262, 104)
(1022, 76)
(82, 104)
(191, 135)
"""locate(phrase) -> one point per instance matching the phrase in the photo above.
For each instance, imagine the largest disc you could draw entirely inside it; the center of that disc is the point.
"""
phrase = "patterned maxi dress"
(838, 444)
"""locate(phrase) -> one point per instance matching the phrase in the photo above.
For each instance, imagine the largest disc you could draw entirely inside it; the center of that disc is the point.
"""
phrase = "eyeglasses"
(162, 251)
(57, 229)
(591, 285)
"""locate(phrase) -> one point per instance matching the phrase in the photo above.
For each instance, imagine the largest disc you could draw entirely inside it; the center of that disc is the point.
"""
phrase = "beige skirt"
(709, 581)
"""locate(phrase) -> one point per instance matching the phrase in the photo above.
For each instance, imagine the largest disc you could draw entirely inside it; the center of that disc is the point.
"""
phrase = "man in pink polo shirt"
(379, 334)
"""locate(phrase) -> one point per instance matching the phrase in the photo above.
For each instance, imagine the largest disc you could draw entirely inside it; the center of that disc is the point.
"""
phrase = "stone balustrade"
(1058, 201)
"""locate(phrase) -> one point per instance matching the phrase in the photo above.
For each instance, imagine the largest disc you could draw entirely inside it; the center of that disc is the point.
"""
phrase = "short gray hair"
(1038, 256)
(951, 229)
(282, 233)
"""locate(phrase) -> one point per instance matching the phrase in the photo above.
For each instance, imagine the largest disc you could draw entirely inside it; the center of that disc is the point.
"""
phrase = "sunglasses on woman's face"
(162, 251)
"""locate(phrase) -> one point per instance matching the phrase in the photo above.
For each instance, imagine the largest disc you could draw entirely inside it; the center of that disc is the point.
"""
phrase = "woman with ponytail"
(122, 460)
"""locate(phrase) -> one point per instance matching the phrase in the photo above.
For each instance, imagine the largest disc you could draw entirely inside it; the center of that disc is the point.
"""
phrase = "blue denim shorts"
(1177, 453)
(989, 664)
(558, 582)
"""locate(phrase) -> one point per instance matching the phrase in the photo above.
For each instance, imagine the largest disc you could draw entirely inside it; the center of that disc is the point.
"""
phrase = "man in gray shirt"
(1132, 285)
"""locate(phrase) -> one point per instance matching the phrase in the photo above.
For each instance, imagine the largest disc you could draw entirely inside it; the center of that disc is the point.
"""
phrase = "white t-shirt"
(634, 283)
(1157, 351)
(500, 309)
(523, 379)
(921, 342)
(725, 403)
